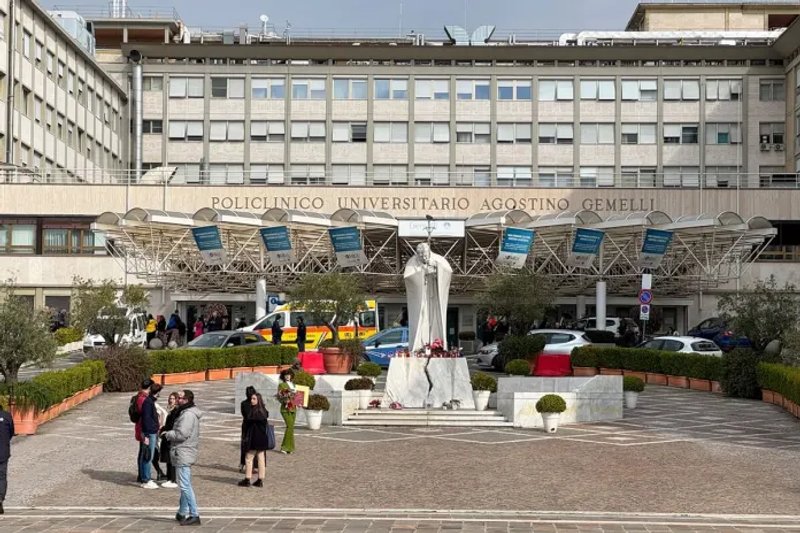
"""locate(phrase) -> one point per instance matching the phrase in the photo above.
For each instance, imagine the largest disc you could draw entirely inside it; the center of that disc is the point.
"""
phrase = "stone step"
(427, 412)
(428, 423)
(437, 416)
(427, 417)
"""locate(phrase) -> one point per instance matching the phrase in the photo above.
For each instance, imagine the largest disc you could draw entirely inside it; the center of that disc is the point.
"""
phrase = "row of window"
(49, 237)
(465, 132)
(643, 90)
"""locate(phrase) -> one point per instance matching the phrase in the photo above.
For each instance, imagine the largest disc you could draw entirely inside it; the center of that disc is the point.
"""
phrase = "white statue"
(427, 277)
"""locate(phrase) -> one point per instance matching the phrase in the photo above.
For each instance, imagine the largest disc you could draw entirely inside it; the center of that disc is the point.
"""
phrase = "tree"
(522, 298)
(334, 299)
(99, 307)
(25, 336)
(762, 312)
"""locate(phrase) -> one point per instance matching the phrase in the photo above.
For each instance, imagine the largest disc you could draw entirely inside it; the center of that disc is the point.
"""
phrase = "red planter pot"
(700, 384)
(218, 374)
(180, 378)
(25, 420)
(767, 395)
(584, 371)
(777, 399)
(336, 361)
(267, 369)
(158, 378)
(716, 387)
(635, 374)
(610, 371)
(240, 370)
(681, 382)
(656, 379)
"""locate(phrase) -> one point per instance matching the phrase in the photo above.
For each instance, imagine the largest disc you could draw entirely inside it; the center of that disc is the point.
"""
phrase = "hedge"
(785, 380)
(691, 365)
(50, 388)
(201, 359)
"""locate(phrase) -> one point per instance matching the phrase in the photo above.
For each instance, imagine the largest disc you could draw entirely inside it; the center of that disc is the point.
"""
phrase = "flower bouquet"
(396, 406)
(375, 404)
(286, 398)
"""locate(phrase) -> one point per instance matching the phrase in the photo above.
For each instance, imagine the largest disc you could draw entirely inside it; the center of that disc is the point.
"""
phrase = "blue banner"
(209, 242)
(514, 247)
(346, 243)
(587, 241)
(278, 244)
(654, 247)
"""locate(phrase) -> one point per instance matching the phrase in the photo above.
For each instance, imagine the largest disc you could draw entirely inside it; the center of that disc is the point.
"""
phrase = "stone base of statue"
(408, 383)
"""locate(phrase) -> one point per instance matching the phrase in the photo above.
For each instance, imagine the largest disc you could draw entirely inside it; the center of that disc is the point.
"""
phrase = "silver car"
(557, 341)
(683, 344)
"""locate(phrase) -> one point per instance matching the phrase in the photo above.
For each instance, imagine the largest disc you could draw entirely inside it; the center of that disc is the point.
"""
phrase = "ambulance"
(316, 332)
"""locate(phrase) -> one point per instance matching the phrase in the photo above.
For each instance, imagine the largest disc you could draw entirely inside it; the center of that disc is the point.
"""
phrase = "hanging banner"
(654, 247)
(514, 247)
(209, 243)
(347, 245)
(585, 247)
(278, 245)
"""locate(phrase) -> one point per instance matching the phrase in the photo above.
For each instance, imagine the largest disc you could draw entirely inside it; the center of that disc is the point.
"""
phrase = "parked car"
(381, 346)
(226, 339)
(715, 329)
(135, 336)
(612, 324)
(683, 344)
(557, 341)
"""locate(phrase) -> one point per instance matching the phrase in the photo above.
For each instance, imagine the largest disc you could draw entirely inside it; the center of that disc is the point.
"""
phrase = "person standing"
(255, 440)
(162, 419)
(150, 329)
(136, 405)
(245, 410)
(148, 433)
(184, 441)
(286, 390)
(301, 335)
(277, 332)
(6, 432)
(169, 424)
(198, 327)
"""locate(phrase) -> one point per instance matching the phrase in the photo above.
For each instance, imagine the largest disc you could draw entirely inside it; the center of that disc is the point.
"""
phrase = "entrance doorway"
(452, 326)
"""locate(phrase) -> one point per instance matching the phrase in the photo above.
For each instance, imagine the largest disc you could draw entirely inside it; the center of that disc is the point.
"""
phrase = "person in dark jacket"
(256, 441)
(245, 410)
(301, 335)
(277, 332)
(148, 433)
(6, 432)
(169, 424)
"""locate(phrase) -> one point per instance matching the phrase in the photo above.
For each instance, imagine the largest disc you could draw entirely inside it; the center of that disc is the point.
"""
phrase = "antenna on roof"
(264, 20)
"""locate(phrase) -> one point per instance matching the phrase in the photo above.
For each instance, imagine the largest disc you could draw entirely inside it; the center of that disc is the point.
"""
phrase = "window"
(227, 87)
(473, 176)
(391, 89)
(270, 174)
(514, 89)
(69, 238)
(436, 175)
(771, 132)
(555, 133)
(551, 90)
(186, 130)
(62, 73)
(390, 175)
(723, 90)
(776, 176)
(186, 173)
(349, 89)
(555, 177)
(686, 90)
(638, 134)
(268, 88)
(221, 130)
(51, 61)
(722, 134)
(26, 43)
(680, 134)
(772, 90)
(597, 133)
(721, 177)
(37, 109)
(478, 132)
(221, 173)
(27, 101)
(432, 89)
(514, 176)
(640, 90)
(514, 133)
(152, 83)
(597, 176)
(681, 176)
(308, 89)
(17, 237)
(186, 87)
(269, 131)
(432, 132)
(152, 126)
(598, 90)
(307, 174)
(472, 90)
(390, 132)
(349, 174)
(638, 177)
(354, 132)
(308, 132)
(70, 82)
(39, 54)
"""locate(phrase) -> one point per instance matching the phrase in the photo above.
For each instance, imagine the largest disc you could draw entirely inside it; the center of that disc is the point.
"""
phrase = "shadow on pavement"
(123, 479)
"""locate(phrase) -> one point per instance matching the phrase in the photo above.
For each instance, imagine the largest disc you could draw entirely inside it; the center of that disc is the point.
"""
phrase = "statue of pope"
(427, 278)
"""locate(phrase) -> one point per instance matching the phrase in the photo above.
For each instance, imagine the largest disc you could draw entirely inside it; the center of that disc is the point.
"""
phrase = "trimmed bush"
(369, 370)
(610, 357)
(739, 377)
(353, 347)
(318, 402)
(642, 360)
(126, 366)
(50, 388)
(518, 367)
(179, 360)
(482, 381)
(632, 384)
(779, 378)
(520, 347)
(262, 355)
(359, 384)
(305, 379)
(584, 356)
(551, 403)
(67, 335)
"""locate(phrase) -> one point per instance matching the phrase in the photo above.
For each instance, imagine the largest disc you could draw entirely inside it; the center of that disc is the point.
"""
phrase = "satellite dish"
(264, 18)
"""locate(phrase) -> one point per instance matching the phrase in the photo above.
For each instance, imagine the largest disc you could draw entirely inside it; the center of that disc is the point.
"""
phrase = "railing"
(781, 254)
(91, 12)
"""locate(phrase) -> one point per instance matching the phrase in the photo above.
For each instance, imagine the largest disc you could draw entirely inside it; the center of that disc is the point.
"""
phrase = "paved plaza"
(680, 452)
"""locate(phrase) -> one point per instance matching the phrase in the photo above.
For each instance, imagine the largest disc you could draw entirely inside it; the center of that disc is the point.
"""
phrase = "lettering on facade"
(425, 204)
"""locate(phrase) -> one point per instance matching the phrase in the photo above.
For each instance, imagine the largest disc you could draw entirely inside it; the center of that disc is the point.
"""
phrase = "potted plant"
(522, 347)
(551, 406)
(518, 367)
(305, 379)
(317, 404)
(466, 341)
(584, 361)
(482, 386)
(369, 370)
(332, 299)
(632, 386)
(365, 385)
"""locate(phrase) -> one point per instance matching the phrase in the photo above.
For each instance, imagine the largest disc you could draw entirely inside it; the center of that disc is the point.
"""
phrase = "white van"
(135, 336)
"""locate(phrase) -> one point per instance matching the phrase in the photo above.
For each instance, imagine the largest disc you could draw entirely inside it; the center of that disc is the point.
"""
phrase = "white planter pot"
(481, 398)
(550, 421)
(314, 419)
(631, 398)
(364, 397)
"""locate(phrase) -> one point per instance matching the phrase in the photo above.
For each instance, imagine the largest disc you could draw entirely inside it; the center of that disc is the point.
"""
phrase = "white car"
(612, 324)
(683, 344)
(558, 341)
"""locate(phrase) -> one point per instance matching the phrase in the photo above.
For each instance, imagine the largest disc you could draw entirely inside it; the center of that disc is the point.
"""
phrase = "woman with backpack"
(255, 440)
(172, 414)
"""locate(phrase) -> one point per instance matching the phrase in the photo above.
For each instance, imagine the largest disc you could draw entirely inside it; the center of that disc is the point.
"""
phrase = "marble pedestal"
(407, 382)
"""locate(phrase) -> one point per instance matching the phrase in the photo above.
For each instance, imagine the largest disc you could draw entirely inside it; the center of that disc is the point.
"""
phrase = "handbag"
(270, 436)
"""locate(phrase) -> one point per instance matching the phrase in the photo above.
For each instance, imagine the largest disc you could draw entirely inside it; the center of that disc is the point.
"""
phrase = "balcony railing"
(781, 253)
(93, 12)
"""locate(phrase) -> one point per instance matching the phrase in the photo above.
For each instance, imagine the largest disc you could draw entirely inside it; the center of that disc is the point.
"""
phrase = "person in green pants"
(286, 391)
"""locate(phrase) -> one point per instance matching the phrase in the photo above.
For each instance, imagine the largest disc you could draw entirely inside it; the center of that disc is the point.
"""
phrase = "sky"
(520, 16)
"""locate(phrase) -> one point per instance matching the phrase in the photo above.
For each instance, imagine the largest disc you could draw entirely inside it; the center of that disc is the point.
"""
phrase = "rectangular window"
(561, 133)
(270, 174)
(186, 87)
(724, 90)
(638, 134)
(268, 88)
(514, 133)
(390, 175)
(598, 90)
(514, 176)
(307, 174)
(556, 177)
(308, 89)
(680, 134)
(640, 90)
(152, 126)
(432, 89)
(772, 90)
(638, 177)
(597, 133)
(269, 131)
(721, 177)
(551, 90)
(350, 89)
(348, 174)
(226, 131)
(723, 133)
(391, 89)
(355, 132)
(596, 177)
(681, 177)
(186, 130)
(477, 132)
(26, 43)
(221, 174)
(69, 238)
(308, 132)
(684, 90)
(39, 54)
(37, 109)
(473, 176)
(70, 82)
(771, 132)
(62, 74)
(432, 132)
(153, 83)
(227, 88)
(390, 132)
(17, 237)
(472, 89)
(51, 62)
(514, 89)
(435, 175)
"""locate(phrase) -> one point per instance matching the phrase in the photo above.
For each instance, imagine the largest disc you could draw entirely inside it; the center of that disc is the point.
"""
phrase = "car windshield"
(704, 346)
(209, 340)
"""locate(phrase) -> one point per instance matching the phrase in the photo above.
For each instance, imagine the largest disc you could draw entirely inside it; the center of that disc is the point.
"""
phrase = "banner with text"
(654, 247)
(514, 247)
(347, 245)
(278, 245)
(585, 247)
(209, 242)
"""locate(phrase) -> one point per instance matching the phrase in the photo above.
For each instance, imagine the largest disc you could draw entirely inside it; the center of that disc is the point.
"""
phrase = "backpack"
(133, 412)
